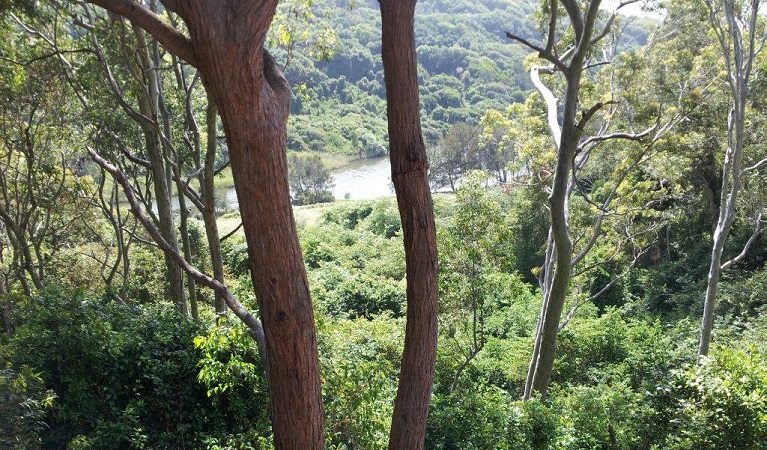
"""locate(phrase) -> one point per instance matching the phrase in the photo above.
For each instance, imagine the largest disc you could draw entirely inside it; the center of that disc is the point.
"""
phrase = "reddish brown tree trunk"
(253, 100)
(409, 174)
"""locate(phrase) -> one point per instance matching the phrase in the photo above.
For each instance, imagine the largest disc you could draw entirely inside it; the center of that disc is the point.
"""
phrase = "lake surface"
(363, 179)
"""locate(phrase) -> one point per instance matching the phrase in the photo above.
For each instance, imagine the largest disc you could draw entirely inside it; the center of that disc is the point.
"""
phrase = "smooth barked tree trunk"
(740, 43)
(409, 175)
(582, 23)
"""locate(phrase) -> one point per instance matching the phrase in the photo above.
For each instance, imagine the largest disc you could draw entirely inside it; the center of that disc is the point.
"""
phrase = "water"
(364, 179)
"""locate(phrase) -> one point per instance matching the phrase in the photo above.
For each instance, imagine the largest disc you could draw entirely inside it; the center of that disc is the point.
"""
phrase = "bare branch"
(757, 231)
(597, 64)
(256, 329)
(542, 52)
(552, 26)
(551, 103)
(610, 136)
(188, 191)
(605, 30)
(587, 115)
(756, 166)
(168, 36)
(576, 17)
(231, 233)
(135, 115)
(133, 158)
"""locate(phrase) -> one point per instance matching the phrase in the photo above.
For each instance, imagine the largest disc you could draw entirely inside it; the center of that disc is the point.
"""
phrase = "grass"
(306, 215)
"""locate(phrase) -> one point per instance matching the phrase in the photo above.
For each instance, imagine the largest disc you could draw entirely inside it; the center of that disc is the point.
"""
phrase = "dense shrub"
(125, 378)
(486, 418)
(604, 416)
(23, 404)
(355, 260)
(360, 364)
(720, 403)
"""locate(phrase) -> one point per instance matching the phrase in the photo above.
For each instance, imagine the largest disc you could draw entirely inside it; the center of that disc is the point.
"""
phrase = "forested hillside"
(574, 259)
(466, 66)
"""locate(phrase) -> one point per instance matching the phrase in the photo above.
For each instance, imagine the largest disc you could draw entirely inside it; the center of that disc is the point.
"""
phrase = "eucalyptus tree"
(41, 198)
(409, 169)
(572, 49)
(739, 30)
(128, 66)
(572, 63)
(225, 43)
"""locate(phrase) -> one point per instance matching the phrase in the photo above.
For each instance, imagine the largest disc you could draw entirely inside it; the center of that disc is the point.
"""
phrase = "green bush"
(591, 350)
(720, 403)
(355, 260)
(360, 364)
(605, 416)
(23, 404)
(486, 418)
(125, 378)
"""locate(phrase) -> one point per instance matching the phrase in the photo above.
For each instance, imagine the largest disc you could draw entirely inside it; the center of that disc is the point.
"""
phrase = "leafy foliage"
(310, 180)
(125, 378)
(23, 404)
(721, 403)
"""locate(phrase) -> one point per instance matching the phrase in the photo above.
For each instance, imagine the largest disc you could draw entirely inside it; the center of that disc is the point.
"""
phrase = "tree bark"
(739, 46)
(226, 43)
(208, 197)
(162, 180)
(409, 174)
(542, 364)
(560, 229)
(253, 101)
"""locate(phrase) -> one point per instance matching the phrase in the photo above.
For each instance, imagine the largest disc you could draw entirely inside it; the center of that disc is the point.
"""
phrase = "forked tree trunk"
(546, 340)
(409, 174)
(582, 22)
(739, 45)
(253, 100)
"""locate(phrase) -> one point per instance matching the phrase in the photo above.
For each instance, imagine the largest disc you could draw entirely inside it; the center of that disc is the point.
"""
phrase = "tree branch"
(552, 26)
(587, 115)
(605, 30)
(757, 231)
(628, 136)
(551, 103)
(576, 18)
(756, 166)
(256, 329)
(542, 52)
(143, 17)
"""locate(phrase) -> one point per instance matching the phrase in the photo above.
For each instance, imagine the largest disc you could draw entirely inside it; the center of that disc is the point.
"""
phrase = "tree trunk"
(253, 101)
(729, 194)
(567, 143)
(187, 246)
(162, 180)
(7, 307)
(740, 45)
(409, 175)
(226, 43)
(208, 198)
(560, 230)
